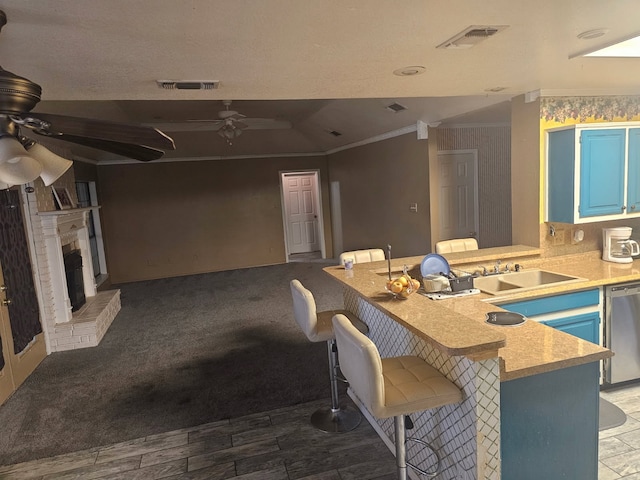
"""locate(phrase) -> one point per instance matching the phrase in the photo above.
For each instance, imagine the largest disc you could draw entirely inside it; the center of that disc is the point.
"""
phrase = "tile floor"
(282, 445)
(620, 447)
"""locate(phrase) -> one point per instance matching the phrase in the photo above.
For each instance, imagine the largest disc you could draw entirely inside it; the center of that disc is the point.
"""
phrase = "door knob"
(3, 288)
(6, 302)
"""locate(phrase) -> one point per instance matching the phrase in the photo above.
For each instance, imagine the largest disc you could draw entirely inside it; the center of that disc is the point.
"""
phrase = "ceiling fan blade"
(137, 152)
(121, 133)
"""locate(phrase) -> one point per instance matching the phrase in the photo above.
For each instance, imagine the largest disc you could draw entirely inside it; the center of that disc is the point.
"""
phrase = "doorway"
(302, 214)
(458, 194)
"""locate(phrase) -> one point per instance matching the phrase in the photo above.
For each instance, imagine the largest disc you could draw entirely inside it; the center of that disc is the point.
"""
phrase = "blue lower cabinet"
(585, 326)
(549, 425)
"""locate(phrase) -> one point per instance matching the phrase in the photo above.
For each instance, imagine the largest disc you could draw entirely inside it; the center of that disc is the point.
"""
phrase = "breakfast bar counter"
(530, 392)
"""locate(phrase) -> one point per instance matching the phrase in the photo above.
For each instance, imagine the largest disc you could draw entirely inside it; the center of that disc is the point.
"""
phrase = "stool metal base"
(338, 420)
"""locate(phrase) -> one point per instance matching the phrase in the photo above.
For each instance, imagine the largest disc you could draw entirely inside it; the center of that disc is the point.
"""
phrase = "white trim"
(377, 138)
(205, 159)
(366, 141)
(315, 173)
(475, 125)
(97, 227)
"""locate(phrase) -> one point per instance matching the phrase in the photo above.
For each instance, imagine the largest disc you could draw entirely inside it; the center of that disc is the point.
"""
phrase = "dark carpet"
(181, 352)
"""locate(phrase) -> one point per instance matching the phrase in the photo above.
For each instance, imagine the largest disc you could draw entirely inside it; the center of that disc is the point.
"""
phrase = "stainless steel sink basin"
(522, 281)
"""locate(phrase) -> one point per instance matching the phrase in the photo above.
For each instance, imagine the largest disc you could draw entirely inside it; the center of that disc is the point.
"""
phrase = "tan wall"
(494, 177)
(378, 182)
(176, 218)
(525, 172)
(85, 172)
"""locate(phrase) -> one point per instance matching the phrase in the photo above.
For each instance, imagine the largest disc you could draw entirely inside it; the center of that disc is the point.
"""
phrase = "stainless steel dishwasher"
(622, 332)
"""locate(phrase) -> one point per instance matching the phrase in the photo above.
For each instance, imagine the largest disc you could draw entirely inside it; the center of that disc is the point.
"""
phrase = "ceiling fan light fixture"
(228, 131)
(53, 166)
(16, 166)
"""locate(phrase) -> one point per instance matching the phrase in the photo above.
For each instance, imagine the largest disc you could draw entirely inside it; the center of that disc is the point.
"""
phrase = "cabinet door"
(602, 169)
(633, 175)
(554, 303)
(585, 326)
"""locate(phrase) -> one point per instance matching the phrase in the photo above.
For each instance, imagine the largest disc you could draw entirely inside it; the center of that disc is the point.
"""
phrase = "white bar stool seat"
(392, 387)
(457, 245)
(362, 256)
(318, 327)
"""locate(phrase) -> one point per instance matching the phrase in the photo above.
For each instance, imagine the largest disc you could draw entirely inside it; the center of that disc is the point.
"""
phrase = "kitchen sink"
(522, 281)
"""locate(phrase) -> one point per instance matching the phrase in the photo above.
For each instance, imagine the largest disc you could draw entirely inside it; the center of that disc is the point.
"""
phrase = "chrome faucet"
(507, 268)
(496, 269)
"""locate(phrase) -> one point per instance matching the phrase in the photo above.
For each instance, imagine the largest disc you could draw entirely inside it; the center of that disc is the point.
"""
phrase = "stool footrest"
(433, 473)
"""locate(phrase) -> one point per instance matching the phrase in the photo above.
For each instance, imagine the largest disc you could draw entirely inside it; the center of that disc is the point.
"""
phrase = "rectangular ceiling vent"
(396, 107)
(471, 36)
(188, 85)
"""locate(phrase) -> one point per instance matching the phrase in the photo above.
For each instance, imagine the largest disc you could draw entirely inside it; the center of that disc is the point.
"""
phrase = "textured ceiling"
(321, 65)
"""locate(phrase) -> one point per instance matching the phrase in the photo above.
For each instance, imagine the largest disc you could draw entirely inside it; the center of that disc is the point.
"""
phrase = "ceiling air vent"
(396, 107)
(335, 133)
(472, 36)
(188, 84)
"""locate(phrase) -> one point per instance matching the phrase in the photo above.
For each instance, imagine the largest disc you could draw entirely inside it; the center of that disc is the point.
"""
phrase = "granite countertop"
(457, 325)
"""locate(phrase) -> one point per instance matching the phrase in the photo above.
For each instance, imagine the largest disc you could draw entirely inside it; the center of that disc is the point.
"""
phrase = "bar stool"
(392, 387)
(318, 328)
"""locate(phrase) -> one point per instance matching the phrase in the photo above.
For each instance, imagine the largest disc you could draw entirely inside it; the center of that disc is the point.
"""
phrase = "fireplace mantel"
(55, 231)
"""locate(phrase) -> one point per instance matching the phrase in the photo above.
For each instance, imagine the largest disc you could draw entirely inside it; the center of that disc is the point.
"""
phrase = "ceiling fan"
(229, 125)
(22, 159)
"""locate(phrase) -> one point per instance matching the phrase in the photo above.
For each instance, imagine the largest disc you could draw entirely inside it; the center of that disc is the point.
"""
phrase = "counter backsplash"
(552, 247)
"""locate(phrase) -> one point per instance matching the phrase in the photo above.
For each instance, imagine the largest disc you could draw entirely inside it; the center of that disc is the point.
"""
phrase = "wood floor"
(280, 444)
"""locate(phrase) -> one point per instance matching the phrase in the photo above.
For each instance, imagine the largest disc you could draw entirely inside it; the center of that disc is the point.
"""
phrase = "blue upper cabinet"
(633, 188)
(593, 173)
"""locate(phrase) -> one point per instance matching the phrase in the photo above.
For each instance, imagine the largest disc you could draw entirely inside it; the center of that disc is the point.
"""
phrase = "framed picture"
(63, 199)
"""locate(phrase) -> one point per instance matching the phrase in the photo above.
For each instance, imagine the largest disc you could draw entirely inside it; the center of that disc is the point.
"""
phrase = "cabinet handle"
(633, 207)
(624, 207)
(3, 288)
(6, 302)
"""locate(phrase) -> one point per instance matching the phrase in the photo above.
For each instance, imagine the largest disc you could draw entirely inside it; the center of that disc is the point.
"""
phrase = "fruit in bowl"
(402, 286)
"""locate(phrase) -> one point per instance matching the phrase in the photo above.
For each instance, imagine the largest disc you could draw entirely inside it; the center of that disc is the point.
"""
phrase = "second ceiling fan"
(229, 125)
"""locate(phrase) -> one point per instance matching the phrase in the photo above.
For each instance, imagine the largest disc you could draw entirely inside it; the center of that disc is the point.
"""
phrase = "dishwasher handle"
(623, 290)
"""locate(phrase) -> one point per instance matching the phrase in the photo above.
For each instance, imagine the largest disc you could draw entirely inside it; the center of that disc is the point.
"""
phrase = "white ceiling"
(322, 65)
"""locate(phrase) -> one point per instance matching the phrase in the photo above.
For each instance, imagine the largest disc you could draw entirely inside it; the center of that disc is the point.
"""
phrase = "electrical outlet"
(413, 207)
(577, 235)
(558, 239)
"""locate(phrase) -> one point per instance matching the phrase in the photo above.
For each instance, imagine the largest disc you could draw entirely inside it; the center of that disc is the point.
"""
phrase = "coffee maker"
(617, 245)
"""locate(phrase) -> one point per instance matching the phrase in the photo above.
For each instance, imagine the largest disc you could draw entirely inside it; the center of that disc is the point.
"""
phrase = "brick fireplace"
(54, 234)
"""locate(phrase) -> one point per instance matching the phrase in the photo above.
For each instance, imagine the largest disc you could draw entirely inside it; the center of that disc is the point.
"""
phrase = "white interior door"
(458, 180)
(300, 194)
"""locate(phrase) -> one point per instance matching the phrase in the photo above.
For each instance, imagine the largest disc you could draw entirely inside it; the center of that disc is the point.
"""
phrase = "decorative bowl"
(403, 286)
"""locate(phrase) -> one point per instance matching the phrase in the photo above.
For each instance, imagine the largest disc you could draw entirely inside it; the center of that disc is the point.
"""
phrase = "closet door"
(23, 332)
